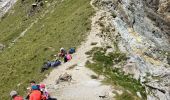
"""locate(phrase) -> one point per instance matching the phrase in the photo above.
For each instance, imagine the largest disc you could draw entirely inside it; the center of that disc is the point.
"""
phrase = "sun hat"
(13, 93)
(61, 48)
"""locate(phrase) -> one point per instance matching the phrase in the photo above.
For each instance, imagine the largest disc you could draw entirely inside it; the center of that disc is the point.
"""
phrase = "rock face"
(144, 28)
(5, 5)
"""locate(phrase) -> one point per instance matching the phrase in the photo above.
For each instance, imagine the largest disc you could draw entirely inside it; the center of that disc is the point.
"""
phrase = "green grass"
(65, 25)
(126, 96)
(103, 65)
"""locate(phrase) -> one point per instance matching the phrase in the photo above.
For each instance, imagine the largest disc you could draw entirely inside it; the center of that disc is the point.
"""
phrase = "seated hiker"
(32, 83)
(62, 52)
(49, 64)
(14, 95)
(44, 93)
(35, 93)
(67, 57)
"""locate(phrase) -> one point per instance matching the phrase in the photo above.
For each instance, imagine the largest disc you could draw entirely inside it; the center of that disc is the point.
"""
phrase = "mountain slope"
(56, 24)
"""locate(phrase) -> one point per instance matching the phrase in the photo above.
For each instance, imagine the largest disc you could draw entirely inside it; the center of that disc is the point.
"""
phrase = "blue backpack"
(72, 50)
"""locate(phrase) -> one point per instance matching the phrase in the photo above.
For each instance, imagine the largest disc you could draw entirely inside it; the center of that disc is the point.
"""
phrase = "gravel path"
(82, 86)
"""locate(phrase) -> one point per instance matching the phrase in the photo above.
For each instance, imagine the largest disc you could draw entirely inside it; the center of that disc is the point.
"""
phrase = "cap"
(13, 93)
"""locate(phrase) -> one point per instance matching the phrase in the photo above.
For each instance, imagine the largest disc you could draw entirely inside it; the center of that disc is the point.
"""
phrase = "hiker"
(14, 95)
(44, 93)
(33, 83)
(67, 57)
(49, 64)
(35, 93)
(62, 52)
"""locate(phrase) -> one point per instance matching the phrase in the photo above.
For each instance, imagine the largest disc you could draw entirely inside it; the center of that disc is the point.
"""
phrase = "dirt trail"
(82, 87)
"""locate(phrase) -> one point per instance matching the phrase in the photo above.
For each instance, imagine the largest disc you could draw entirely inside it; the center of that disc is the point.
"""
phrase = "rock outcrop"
(5, 5)
(144, 29)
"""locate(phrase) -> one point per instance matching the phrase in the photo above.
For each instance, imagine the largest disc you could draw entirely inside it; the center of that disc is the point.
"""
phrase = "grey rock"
(144, 31)
(5, 5)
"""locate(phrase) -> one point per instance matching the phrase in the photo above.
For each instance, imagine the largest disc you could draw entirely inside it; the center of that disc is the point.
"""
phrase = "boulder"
(131, 68)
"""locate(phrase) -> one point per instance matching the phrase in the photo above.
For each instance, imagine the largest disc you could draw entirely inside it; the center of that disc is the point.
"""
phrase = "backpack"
(72, 50)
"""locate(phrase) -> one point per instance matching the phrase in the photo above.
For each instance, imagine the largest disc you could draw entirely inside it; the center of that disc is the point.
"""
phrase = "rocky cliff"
(5, 5)
(143, 28)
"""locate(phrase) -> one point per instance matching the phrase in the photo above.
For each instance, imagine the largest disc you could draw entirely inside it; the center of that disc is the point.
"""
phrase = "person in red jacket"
(15, 96)
(35, 93)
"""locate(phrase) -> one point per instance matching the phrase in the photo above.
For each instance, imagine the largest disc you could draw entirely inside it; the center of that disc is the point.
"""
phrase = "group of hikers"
(62, 55)
(39, 91)
(35, 92)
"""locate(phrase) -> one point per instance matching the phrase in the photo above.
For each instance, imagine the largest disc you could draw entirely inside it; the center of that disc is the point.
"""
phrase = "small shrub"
(114, 15)
(126, 96)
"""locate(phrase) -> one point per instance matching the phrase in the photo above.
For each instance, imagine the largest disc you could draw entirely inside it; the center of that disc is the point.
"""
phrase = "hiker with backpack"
(67, 57)
(35, 93)
(44, 93)
(14, 95)
(32, 83)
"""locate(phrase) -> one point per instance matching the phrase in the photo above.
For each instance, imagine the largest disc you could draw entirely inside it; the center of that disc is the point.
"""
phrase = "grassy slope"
(65, 26)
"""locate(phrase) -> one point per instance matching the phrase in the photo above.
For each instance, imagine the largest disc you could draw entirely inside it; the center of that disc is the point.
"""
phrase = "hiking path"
(82, 86)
